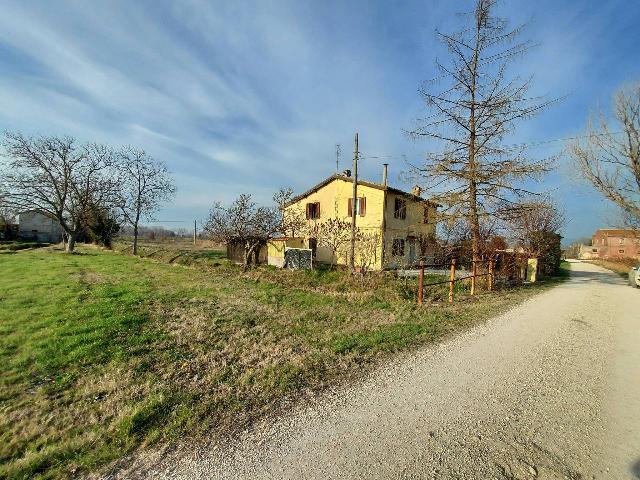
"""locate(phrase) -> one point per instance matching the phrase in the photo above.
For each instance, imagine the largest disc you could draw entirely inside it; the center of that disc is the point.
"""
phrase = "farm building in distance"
(612, 243)
(38, 227)
(404, 222)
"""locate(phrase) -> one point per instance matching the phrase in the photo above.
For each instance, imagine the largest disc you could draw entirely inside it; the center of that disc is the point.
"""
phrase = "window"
(361, 206)
(620, 251)
(313, 210)
(400, 209)
(594, 250)
(426, 214)
(397, 248)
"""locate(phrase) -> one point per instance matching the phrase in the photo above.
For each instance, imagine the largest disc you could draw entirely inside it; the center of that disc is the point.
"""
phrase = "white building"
(38, 227)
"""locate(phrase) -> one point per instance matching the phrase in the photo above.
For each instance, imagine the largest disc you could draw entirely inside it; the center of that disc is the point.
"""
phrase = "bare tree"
(333, 234)
(609, 156)
(368, 244)
(58, 178)
(244, 223)
(535, 226)
(475, 175)
(145, 185)
(292, 218)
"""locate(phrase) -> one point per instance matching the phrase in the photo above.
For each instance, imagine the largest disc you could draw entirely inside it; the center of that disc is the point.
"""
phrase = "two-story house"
(403, 221)
(611, 243)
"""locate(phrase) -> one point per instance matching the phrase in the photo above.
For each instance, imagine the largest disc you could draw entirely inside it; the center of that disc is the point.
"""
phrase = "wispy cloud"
(249, 96)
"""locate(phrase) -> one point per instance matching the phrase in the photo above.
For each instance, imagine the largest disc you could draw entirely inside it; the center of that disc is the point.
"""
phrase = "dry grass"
(102, 353)
(620, 266)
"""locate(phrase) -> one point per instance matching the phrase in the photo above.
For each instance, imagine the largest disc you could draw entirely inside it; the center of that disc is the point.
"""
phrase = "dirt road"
(549, 390)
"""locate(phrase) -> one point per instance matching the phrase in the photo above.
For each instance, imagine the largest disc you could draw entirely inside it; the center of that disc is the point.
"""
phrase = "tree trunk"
(473, 190)
(248, 250)
(135, 239)
(71, 243)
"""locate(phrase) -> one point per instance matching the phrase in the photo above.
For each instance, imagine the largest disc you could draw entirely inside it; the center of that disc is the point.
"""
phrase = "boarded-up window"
(397, 248)
(426, 214)
(400, 208)
(313, 210)
(361, 206)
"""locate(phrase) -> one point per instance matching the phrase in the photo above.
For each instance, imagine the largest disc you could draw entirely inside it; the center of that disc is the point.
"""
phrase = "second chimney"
(385, 166)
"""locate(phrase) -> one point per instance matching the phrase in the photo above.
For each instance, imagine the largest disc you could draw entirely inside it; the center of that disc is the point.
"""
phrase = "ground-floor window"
(397, 248)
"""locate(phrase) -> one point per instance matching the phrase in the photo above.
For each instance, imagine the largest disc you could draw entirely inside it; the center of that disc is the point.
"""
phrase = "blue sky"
(248, 96)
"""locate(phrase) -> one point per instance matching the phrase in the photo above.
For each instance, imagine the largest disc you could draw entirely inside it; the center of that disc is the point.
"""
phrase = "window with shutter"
(313, 210)
(400, 208)
(361, 206)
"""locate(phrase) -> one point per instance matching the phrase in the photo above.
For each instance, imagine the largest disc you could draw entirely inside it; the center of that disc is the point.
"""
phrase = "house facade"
(612, 243)
(37, 227)
(400, 221)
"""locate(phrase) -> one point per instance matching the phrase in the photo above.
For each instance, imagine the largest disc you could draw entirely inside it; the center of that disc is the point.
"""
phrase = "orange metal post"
(452, 278)
(490, 276)
(421, 284)
(474, 271)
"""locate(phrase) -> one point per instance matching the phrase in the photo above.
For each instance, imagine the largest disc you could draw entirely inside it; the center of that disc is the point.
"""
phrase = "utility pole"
(354, 205)
(195, 231)
(338, 150)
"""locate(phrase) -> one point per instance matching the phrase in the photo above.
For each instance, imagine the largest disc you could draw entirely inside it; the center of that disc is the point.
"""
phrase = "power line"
(512, 146)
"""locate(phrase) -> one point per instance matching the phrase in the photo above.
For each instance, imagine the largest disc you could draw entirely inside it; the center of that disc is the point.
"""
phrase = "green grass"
(102, 353)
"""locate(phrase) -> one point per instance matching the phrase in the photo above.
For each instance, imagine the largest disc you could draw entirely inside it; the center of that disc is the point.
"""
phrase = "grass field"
(102, 353)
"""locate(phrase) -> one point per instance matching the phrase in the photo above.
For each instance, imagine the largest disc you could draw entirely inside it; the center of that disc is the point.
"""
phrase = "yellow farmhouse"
(401, 221)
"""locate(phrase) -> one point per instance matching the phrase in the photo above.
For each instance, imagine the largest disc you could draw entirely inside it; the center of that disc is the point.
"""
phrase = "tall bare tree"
(145, 185)
(609, 156)
(245, 223)
(475, 174)
(58, 178)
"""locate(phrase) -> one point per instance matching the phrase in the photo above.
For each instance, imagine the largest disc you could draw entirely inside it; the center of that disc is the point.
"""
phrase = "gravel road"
(550, 390)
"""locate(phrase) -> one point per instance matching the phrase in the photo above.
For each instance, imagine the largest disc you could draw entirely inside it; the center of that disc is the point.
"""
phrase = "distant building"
(612, 243)
(37, 227)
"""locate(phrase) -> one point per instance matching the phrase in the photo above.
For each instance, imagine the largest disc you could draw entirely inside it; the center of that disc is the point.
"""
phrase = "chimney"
(416, 191)
(385, 167)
